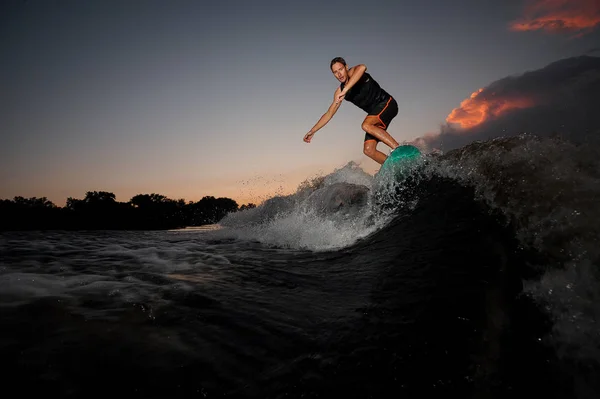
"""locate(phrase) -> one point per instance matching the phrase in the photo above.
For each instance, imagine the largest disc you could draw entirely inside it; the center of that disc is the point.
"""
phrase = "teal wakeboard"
(400, 162)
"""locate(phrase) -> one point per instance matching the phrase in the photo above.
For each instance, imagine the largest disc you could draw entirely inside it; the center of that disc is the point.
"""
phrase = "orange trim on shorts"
(378, 116)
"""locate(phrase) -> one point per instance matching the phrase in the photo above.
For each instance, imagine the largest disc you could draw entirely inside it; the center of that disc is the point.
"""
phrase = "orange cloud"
(481, 107)
(559, 16)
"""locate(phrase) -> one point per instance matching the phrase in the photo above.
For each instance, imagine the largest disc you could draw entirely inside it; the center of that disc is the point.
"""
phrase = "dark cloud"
(563, 98)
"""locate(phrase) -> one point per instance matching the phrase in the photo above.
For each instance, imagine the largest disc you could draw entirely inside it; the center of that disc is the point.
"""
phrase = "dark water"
(478, 278)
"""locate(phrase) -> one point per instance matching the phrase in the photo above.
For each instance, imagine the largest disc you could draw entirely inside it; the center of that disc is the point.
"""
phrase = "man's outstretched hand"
(309, 136)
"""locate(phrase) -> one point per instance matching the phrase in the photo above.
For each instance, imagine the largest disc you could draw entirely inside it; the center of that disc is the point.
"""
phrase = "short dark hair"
(337, 59)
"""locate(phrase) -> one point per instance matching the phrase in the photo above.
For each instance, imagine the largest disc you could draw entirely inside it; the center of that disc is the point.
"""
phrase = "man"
(358, 87)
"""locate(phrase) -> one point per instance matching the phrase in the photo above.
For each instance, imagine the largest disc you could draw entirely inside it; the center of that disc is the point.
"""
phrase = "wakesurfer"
(359, 87)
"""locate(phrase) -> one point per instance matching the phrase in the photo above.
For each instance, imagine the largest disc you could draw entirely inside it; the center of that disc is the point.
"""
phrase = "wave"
(547, 190)
(544, 190)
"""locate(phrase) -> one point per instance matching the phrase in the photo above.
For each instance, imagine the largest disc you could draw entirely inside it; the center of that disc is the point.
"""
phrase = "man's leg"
(370, 125)
(370, 150)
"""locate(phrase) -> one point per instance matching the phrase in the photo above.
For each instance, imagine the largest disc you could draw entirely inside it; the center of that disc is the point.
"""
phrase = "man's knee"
(367, 127)
(369, 149)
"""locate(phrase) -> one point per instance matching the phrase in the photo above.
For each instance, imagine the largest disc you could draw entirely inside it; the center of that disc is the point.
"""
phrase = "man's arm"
(355, 73)
(335, 105)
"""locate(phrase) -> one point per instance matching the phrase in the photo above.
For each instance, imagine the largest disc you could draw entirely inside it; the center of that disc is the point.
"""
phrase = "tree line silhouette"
(100, 210)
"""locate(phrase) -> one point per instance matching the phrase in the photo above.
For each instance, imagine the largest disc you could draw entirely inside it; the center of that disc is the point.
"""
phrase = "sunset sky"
(195, 98)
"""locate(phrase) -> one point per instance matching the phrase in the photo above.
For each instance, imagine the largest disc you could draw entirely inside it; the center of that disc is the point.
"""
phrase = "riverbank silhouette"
(99, 210)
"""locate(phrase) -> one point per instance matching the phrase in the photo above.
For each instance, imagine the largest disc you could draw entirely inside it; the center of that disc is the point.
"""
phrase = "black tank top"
(366, 93)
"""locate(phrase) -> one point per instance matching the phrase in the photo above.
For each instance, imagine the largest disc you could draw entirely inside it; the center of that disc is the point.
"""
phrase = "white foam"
(309, 221)
(301, 229)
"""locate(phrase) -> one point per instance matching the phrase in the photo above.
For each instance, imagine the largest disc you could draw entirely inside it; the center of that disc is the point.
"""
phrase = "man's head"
(339, 68)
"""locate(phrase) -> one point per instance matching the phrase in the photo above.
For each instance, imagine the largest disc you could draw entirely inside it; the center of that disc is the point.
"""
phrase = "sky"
(195, 98)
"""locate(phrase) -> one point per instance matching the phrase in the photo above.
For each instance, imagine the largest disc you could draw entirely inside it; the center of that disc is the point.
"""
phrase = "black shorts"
(385, 112)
